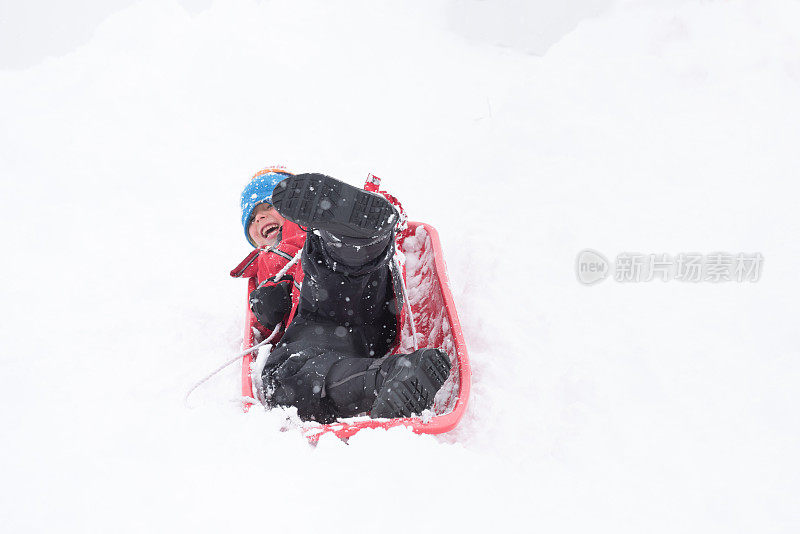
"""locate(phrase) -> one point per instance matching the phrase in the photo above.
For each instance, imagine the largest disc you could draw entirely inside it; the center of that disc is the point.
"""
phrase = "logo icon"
(591, 267)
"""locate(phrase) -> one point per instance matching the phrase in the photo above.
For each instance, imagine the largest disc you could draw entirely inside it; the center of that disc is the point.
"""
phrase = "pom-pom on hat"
(260, 190)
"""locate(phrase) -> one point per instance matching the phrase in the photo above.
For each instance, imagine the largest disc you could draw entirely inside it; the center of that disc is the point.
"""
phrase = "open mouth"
(268, 231)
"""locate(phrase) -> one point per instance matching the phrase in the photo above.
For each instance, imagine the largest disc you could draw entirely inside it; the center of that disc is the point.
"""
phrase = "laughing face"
(265, 225)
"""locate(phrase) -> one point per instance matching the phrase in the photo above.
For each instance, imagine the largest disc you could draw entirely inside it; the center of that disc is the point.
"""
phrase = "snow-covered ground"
(652, 127)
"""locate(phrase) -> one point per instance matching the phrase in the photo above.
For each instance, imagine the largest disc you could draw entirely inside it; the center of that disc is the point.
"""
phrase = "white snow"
(658, 127)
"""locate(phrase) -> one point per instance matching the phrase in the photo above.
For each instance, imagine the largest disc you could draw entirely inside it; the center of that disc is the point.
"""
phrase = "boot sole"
(325, 203)
(411, 389)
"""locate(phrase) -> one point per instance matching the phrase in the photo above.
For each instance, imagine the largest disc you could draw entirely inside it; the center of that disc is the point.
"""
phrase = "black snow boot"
(318, 201)
(411, 384)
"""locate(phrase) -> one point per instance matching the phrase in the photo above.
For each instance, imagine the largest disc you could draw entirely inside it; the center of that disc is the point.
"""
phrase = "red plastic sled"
(437, 325)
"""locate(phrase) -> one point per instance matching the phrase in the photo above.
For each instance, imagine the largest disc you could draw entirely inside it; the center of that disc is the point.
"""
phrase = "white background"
(525, 132)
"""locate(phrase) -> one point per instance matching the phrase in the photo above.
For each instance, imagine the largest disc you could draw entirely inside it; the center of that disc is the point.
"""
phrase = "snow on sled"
(436, 323)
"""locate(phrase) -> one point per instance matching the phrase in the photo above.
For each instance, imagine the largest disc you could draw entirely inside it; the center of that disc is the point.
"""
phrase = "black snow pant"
(328, 363)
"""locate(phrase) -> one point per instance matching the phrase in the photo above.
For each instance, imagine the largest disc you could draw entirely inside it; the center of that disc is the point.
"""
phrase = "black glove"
(272, 302)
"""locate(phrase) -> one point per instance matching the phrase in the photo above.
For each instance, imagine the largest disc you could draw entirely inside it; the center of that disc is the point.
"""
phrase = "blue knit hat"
(260, 190)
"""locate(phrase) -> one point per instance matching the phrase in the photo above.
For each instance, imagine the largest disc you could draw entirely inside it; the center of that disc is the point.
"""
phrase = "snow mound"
(655, 127)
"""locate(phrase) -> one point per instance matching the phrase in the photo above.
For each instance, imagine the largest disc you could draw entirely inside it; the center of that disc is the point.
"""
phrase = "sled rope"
(288, 265)
(408, 310)
(227, 363)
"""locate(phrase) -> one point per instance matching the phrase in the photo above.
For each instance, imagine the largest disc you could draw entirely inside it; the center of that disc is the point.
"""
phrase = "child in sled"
(342, 303)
